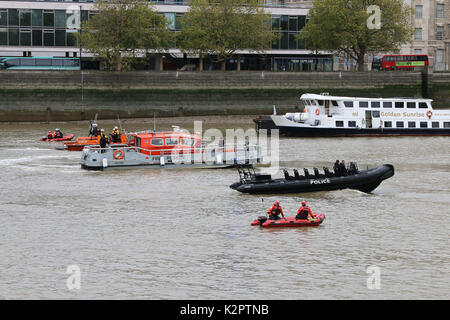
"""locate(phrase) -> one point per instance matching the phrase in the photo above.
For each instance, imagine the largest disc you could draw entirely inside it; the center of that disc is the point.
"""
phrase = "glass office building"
(37, 28)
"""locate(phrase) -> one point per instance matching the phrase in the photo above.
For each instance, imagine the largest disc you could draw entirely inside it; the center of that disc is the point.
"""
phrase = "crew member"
(304, 212)
(343, 168)
(58, 134)
(103, 140)
(49, 135)
(275, 211)
(115, 135)
(337, 168)
(94, 131)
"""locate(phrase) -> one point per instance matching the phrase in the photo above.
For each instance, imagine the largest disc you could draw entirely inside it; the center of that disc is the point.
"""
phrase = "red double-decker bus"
(403, 61)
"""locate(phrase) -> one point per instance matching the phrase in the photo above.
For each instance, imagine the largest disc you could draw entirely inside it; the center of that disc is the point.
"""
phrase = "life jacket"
(303, 211)
(275, 210)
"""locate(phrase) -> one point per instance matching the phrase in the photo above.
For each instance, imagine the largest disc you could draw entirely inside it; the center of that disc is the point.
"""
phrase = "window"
(375, 104)
(418, 51)
(320, 102)
(187, 142)
(57, 63)
(418, 34)
(348, 104)
(25, 18)
(293, 23)
(25, 37)
(388, 124)
(3, 17)
(157, 142)
(49, 38)
(71, 63)
(292, 40)
(435, 124)
(334, 103)
(399, 124)
(284, 23)
(275, 22)
(3, 37)
(375, 114)
(387, 104)
(424, 124)
(363, 104)
(60, 38)
(440, 11)
(13, 37)
(28, 62)
(36, 18)
(339, 124)
(400, 104)
(446, 124)
(49, 19)
(37, 37)
(352, 124)
(13, 17)
(171, 141)
(71, 39)
(423, 105)
(60, 18)
(418, 10)
(411, 124)
(439, 33)
(410, 105)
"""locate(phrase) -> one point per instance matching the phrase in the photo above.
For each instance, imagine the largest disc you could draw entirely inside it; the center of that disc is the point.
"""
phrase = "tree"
(350, 27)
(221, 28)
(122, 29)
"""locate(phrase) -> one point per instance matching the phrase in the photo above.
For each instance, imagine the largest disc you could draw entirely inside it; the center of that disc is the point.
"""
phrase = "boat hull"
(64, 138)
(267, 123)
(365, 181)
(290, 222)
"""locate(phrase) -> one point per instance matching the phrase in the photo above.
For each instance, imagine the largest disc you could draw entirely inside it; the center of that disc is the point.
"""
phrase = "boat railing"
(216, 154)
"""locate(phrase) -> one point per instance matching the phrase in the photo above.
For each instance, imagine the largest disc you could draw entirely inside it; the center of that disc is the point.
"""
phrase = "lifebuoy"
(317, 111)
(118, 154)
(429, 114)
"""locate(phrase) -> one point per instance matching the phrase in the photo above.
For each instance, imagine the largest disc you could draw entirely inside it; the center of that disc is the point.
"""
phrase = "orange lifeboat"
(81, 142)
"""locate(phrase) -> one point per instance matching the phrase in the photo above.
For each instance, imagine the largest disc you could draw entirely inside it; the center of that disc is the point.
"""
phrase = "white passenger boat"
(324, 115)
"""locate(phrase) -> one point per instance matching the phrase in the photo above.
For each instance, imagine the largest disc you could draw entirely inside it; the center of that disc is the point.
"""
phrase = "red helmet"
(277, 202)
(303, 203)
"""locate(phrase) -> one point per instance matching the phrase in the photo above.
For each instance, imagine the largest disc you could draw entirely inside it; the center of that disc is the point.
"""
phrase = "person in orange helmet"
(275, 211)
(304, 212)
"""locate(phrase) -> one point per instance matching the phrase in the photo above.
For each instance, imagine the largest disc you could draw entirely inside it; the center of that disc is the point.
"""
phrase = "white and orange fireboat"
(175, 149)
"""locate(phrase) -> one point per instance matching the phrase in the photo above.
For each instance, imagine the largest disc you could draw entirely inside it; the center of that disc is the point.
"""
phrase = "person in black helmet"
(103, 140)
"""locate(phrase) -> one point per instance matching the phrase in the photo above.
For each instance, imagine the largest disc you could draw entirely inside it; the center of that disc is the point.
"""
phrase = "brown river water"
(184, 234)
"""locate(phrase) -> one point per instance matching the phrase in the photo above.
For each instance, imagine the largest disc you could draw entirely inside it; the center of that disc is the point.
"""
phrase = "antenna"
(154, 123)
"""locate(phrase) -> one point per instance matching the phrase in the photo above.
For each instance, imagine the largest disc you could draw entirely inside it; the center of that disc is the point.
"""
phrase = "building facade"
(431, 21)
(48, 28)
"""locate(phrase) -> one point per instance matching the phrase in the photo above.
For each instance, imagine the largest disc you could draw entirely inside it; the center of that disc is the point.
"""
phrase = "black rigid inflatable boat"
(365, 180)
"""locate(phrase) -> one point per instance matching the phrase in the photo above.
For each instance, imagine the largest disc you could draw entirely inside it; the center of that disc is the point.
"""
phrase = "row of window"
(37, 37)
(41, 18)
(439, 33)
(170, 142)
(439, 11)
(399, 124)
(387, 104)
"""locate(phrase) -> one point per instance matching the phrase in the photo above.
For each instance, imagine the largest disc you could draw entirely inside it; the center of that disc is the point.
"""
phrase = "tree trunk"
(238, 64)
(360, 62)
(200, 64)
(223, 65)
(161, 64)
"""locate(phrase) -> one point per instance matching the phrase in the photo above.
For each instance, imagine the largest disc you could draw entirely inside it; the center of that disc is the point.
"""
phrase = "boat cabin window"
(399, 104)
(339, 124)
(388, 124)
(364, 104)
(334, 103)
(375, 114)
(446, 124)
(411, 105)
(424, 124)
(399, 124)
(375, 104)
(435, 124)
(411, 124)
(423, 105)
(348, 104)
(320, 102)
(387, 104)
(157, 142)
(187, 142)
(171, 141)
(352, 124)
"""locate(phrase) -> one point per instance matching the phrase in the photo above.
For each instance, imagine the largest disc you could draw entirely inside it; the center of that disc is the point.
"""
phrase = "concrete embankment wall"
(54, 96)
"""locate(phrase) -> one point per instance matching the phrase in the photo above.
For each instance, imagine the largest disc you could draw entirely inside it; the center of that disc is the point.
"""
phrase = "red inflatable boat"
(64, 138)
(289, 222)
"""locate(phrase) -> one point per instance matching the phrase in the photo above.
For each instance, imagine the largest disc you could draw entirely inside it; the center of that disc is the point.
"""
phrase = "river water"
(184, 234)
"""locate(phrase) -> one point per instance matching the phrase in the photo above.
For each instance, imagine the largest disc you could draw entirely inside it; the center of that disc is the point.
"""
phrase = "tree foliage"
(342, 26)
(221, 28)
(122, 29)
